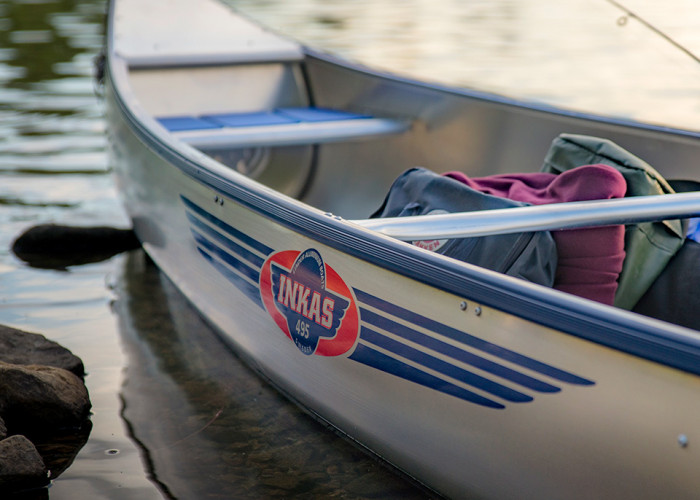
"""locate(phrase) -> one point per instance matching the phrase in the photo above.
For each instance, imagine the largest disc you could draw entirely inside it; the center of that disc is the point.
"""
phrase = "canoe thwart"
(539, 218)
(280, 127)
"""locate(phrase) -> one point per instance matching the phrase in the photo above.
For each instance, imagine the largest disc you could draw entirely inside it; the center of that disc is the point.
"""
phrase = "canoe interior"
(349, 177)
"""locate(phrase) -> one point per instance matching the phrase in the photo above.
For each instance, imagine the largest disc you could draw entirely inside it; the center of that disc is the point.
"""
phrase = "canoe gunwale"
(654, 340)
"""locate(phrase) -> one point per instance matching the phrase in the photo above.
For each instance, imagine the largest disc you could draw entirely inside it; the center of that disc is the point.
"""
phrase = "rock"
(25, 348)
(21, 466)
(41, 398)
(56, 246)
(34, 494)
(60, 449)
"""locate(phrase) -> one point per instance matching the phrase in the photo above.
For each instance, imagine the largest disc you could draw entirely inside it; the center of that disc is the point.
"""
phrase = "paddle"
(538, 218)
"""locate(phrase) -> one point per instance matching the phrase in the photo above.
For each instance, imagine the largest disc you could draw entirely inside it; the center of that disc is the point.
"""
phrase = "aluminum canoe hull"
(473, 383)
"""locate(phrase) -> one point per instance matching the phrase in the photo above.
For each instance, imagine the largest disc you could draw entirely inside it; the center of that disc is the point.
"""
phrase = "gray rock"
(21, 466)
(24, 348)
(41, 398)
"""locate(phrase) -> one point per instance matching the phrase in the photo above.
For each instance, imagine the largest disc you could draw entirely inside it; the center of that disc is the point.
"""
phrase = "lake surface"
(175, 414)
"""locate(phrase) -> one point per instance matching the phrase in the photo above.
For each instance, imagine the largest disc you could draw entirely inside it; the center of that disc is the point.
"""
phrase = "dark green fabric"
(675, 295)
(649, 246)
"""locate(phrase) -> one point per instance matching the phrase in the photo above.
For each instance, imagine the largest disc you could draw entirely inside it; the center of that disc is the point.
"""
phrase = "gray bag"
(530, 256)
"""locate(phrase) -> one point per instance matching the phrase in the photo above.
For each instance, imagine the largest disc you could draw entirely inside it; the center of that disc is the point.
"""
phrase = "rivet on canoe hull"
(477, 310)
(683, 440)
(463, 305)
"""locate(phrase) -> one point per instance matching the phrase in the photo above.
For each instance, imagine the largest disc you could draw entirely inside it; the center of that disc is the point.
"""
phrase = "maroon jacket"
(589, 259)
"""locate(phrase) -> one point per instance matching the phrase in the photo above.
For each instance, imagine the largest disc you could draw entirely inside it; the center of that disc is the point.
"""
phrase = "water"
(579, 54)
(175, 415)
(53, 168)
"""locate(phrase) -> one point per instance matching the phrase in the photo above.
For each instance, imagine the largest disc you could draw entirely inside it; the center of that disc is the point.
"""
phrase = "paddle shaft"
(539, 218)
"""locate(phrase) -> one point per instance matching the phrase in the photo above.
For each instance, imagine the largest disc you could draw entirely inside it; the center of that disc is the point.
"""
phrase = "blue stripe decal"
(244, 286)
(263, 249)
(217, 249)
(204, 229)
(420, 354)
(444, 367)
(252, 274)
(380, 361)
(456, 353)
(470, 340)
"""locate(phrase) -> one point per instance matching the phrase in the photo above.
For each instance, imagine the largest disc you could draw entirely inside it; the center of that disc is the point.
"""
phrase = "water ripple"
(81, 163)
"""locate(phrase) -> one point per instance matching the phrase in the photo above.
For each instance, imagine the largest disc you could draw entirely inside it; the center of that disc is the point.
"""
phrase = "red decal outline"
(347, 332)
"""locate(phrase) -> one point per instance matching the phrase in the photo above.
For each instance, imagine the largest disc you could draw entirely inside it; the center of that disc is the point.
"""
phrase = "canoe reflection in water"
(208, 426)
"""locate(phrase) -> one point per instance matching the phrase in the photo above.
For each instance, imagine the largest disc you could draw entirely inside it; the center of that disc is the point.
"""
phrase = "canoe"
(254, 170)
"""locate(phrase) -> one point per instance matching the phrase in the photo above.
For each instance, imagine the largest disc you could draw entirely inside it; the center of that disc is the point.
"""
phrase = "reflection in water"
(43, 33)
(211, 428)
(575, 54)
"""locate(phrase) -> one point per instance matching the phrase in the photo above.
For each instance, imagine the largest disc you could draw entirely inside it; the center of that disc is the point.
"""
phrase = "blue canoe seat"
(180, 123)
(278, 127)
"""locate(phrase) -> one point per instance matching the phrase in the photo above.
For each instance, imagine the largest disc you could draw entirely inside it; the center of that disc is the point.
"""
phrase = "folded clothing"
(589, 259)
(531, 256)
(649, 246)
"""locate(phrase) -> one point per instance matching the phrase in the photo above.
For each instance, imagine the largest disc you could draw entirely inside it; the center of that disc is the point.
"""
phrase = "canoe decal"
(409, 345)
(310, 302)
(314, 307)
(234, 254)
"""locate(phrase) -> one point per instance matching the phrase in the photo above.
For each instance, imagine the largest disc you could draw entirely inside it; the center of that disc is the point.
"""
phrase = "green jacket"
(648, 245)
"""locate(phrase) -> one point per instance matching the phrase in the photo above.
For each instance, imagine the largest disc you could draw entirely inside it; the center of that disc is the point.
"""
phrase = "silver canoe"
(472, 382)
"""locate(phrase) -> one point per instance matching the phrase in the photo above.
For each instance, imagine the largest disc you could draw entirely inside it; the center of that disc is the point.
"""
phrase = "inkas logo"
(310, 302)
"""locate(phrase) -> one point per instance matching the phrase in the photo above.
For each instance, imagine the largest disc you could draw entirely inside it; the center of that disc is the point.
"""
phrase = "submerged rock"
(21, 466)
(60, 449)
(39, 398)
(57, 246)
(24, 348)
